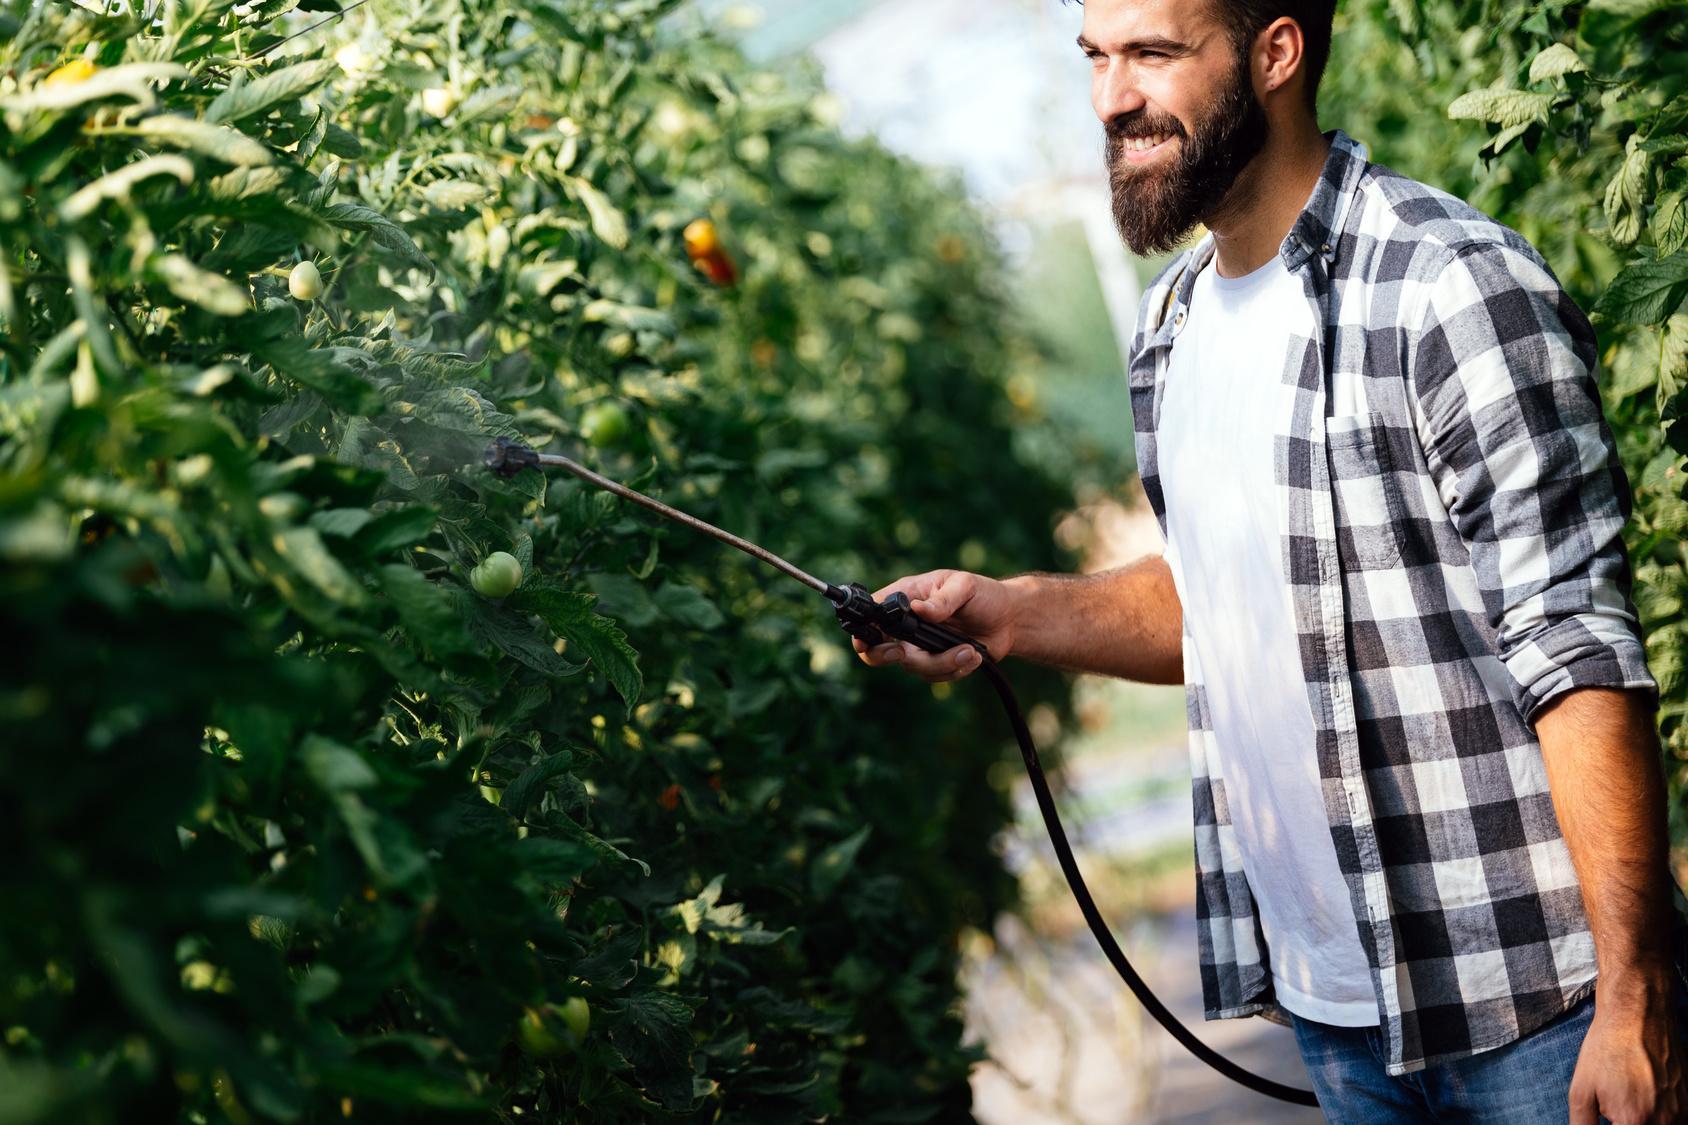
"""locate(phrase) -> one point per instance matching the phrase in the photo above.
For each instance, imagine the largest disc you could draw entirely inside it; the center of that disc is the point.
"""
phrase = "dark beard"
(1156, 209)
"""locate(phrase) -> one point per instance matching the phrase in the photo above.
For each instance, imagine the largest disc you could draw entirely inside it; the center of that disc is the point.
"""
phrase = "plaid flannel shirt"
(1449, 501)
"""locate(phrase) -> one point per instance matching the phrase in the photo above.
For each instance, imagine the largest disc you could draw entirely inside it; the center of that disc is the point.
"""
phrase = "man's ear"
(1276, 58)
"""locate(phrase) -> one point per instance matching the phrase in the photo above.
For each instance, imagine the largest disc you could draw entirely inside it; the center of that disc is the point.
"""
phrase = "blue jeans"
(1527, 1082)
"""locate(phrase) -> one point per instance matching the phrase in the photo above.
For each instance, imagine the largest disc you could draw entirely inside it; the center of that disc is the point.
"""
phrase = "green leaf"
(724, 922)
(247, 183)
(210, 291)
(118, 184)
(510, 634)
(1624, 193)
(332, 372)
(244, 99)
(554, 861)
(453, 195)
(1555, 61)
(342, 523)
(400, 527)
(830, 867)
(426, 610)
(1501, 107)
(1646, 292)
(334, 767)
(219, 142)
(386, 234)
(341, 143)
(1670, 222)
(654, 1034)
(570, 616)
(531, 783)
(688, 606)
(304, 549)
(131, 80)
(624, 599)
(1673, 363)
(608, 223)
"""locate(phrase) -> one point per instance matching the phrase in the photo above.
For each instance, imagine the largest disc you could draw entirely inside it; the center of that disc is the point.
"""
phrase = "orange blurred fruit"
(72, 72)
(701, 238)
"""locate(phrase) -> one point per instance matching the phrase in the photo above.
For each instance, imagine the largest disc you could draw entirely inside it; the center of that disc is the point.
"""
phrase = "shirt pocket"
(1369, 513)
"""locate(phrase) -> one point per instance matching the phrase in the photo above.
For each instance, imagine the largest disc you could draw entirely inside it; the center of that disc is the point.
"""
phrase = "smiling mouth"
(1142, 148)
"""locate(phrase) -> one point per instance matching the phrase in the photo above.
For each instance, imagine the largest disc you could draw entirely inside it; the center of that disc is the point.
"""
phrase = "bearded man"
(1428, 798)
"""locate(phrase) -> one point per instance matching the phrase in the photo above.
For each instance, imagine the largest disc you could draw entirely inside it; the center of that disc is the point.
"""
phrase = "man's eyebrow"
(1147, 43)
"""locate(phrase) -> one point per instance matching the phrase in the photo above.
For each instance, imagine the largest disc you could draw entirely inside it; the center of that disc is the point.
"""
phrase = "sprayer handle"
(906, 625)
(873, 622)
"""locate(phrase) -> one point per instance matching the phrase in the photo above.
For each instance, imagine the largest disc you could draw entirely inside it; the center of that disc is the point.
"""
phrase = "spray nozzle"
(506, 457)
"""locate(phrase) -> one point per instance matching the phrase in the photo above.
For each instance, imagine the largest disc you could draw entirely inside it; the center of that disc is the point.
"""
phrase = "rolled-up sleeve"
(1501, 365)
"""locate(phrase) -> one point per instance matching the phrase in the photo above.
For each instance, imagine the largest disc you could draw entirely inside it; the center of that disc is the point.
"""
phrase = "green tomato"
(555, 1029)
(305, 282)
(283, 507)
(605, 425)
(498, 576)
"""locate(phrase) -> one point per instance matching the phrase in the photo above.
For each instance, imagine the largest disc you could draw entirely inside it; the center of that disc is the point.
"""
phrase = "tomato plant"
(300, 826)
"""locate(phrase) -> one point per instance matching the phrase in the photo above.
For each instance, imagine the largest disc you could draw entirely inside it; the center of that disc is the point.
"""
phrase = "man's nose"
(1114, 94)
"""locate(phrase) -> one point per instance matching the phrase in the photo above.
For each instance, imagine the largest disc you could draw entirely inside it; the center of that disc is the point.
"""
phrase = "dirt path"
(1070, 1046)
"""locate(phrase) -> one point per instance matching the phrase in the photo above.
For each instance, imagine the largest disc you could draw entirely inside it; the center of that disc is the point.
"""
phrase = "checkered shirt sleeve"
(1509, 418)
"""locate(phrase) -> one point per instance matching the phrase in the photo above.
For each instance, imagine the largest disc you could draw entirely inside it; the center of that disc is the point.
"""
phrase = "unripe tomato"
(701, 238)
(283, 507)
(439, 101)
(577, 1016)
(305, 282)
(72, 72)
(605, 424)
(555, 1029)
(497, 576)
(353, 59)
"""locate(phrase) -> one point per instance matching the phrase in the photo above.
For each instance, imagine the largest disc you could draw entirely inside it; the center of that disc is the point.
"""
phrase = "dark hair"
(1244, 19)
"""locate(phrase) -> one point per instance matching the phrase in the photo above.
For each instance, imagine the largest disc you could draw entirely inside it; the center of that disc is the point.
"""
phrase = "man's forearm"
(1124, 622)
(1602, 758)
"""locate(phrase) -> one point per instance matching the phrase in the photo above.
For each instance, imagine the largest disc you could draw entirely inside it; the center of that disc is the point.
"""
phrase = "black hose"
(1104, 937)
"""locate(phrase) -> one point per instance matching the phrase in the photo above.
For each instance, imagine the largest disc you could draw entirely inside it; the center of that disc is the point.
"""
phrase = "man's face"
(1178, 111)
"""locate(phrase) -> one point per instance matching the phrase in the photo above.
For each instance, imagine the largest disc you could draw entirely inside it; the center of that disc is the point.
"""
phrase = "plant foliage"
(297, 824)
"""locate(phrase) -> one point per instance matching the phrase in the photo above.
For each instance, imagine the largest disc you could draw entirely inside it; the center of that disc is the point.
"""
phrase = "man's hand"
(981, 607)
(1124, 622)
(1630, 1070)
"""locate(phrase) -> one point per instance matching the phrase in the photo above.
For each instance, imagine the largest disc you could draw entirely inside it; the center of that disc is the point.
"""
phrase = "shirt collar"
(1316, 229)
(1319, 226)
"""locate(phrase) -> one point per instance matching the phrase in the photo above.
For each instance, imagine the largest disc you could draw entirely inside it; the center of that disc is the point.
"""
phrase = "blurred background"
(997, 92)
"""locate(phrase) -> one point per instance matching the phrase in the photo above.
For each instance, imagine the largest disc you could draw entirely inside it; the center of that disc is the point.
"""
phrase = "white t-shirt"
(1223, 393)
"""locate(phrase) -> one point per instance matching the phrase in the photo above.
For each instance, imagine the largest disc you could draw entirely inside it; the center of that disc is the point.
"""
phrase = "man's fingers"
(915, 586)
(877, 655)
(943, 667)
(1583, 1107)
(945, 596)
